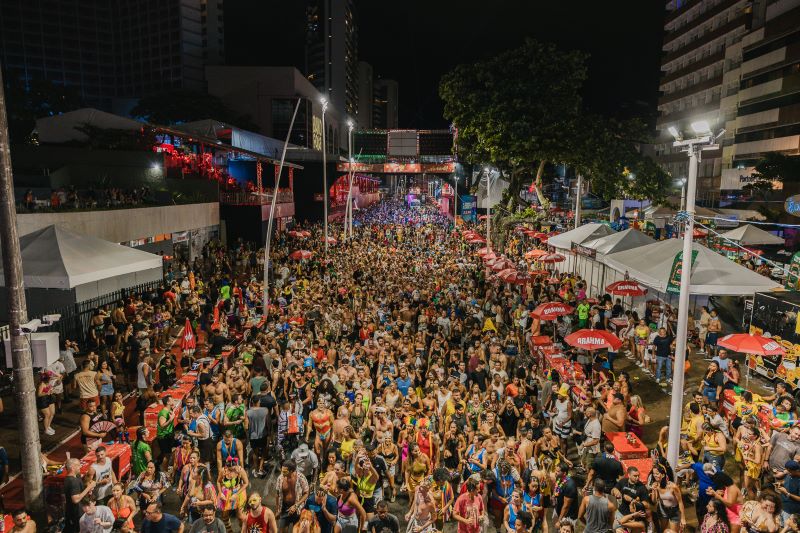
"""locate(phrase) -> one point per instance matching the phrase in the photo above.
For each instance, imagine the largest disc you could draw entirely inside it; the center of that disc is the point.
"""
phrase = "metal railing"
(74, 321)
(253, 198)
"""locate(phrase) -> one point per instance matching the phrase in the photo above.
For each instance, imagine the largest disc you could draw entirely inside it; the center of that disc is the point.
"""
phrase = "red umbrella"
(501, 264)
(552, 258)
(331, 240)
(476, 240)
(512, 275)
(188, 341)
(484, 251)
(304, 233)
(489, 257)
(551, 310)
(482, 217)
(626, 288)
(540, 273)
(748, 343)
(538, 235)
(535, 254)
(293, 233)
(593, 339)
(300, 255)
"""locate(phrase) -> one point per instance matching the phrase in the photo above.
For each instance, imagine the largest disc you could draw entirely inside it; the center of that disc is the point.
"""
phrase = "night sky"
(416, 41)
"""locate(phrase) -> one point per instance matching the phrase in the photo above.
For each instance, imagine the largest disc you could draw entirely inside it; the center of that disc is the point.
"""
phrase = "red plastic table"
(625, 449)
(644, 466)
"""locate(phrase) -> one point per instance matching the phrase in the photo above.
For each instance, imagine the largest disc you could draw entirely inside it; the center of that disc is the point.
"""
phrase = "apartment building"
(768, 113)
(700, 80)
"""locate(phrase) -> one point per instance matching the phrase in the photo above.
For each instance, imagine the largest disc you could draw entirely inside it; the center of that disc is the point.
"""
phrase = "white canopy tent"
(563, 242)
(54, 258)
(751, 235)
(589, 261)
(712, 273)
(60, 268)
(63, 127)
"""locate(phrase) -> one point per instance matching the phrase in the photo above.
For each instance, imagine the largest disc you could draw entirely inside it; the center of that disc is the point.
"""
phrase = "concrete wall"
(120, 225)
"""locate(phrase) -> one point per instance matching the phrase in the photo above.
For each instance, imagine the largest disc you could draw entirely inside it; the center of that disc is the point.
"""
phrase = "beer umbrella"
(552, 310)
(593, 339)
(626, 288)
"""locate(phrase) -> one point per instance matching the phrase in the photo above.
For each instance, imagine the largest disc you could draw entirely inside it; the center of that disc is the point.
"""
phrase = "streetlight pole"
(348, 210)
(325, 174)
(455, 199)
(578, 201)
(693, 147)
(272, 211)
(488, 207)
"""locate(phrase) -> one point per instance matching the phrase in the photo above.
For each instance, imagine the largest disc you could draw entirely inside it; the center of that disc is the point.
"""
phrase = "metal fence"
(74, 322)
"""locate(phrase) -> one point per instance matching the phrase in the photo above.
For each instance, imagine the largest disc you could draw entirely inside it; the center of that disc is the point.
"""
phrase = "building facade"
(268, 95)
(385, 104)
(700, 80)
(768, 113)
(366, 91)
(331, 54)
(112, 50)
(733, 63)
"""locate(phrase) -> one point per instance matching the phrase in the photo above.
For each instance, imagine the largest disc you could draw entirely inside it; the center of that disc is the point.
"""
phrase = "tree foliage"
(774, 167)
(36, 98)
(522, 108)
(180, 105)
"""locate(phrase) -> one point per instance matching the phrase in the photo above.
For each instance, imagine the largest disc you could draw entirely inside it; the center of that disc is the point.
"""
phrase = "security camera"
(50, 319)
(31, 326)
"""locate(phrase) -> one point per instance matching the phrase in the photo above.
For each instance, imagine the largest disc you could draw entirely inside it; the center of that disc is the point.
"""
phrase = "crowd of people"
(71, 198)
(394, 372)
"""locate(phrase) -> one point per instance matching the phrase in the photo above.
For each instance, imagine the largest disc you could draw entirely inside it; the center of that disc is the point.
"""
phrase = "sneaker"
(50, 431)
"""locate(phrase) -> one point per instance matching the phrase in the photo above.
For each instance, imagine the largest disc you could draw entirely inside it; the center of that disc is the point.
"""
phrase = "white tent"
(54, 258)
(712, 273)
(579, 235)
(618, 242)
(563, 242)
(590, 266)
(749, 234)
(62, 128)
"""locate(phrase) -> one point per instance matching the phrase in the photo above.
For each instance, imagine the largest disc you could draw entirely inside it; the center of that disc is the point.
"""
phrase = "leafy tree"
(180, 105)
(522, 109)
(25, 102)
(774, 167)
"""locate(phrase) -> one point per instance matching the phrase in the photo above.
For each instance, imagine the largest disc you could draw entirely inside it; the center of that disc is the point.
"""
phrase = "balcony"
(705, 39)
(704, 17)
(696, 88)
(693, 67)
(689, 113)
(285, 196)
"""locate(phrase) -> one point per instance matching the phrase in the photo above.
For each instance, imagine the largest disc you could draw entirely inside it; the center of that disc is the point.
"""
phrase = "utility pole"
(24, 388)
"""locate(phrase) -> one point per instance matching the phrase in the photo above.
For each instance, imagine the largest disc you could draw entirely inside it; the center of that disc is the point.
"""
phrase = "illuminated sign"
(792, 205)
(399, 168)
(316, 133)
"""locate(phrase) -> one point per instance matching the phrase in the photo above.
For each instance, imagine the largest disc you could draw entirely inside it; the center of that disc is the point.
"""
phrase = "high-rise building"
(768, 114)
(112, 49)
(365, 95)
(385, 104)
(700, 80)
(331, 55)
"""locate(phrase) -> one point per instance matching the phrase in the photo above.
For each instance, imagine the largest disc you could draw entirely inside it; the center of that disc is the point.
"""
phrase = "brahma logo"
(557, 309)
(772, 345)
(627, 287)
(591, 340)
